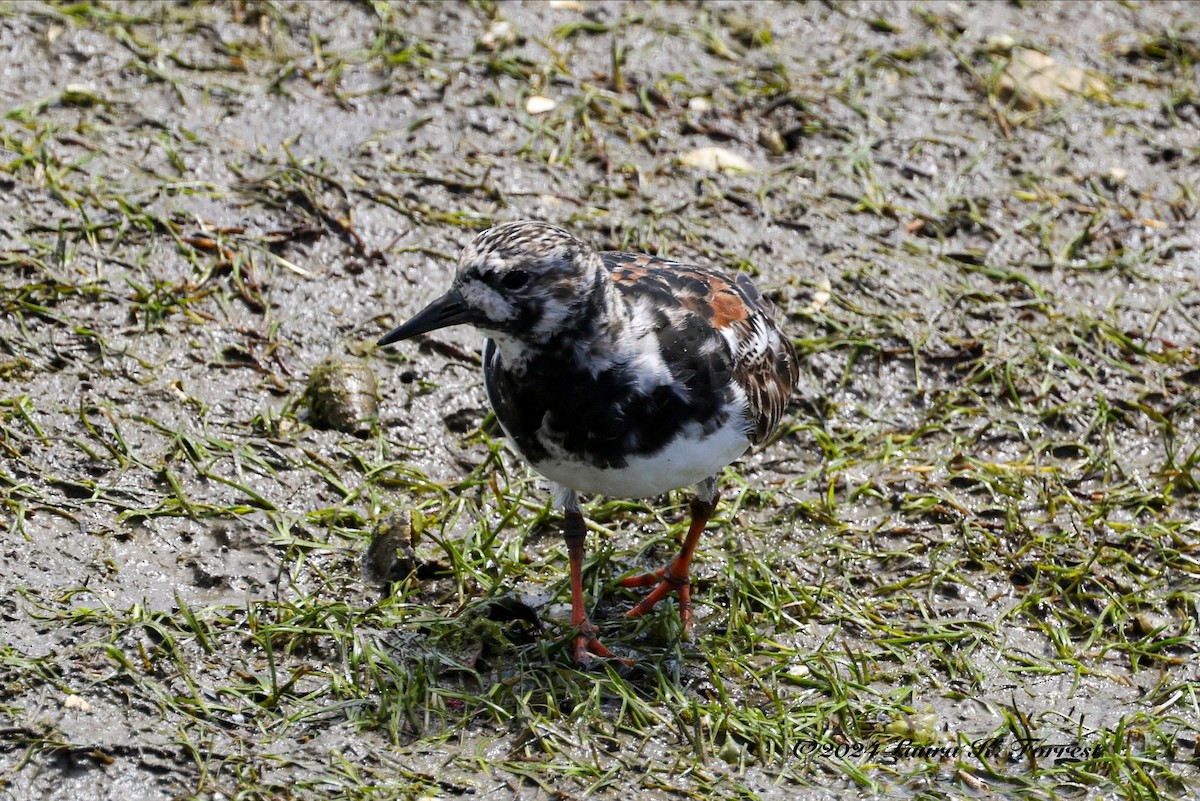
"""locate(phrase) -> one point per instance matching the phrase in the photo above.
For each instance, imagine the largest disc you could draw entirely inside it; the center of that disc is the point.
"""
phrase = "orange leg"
(674, 577)
(587, 641)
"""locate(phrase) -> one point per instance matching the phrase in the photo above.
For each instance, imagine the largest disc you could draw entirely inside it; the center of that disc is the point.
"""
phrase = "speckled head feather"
(529, 281)
(520, 283)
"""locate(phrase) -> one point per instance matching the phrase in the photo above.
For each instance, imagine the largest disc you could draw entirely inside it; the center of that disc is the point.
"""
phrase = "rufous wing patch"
(727, 307)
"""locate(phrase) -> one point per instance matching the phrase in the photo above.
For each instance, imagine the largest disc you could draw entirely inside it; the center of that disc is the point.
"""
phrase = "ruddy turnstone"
(617, 373)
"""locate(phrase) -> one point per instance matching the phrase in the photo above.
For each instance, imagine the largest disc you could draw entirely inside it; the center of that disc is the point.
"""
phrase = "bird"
(621, 374)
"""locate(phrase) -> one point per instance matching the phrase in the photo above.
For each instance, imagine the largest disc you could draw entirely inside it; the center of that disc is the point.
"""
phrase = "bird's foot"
(586, 644)
(665, 582)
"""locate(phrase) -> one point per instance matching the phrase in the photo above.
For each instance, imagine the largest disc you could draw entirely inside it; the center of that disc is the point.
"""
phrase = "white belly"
(682, 463)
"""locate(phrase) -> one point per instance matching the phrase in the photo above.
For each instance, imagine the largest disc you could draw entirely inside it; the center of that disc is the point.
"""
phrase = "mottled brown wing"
(765, 363)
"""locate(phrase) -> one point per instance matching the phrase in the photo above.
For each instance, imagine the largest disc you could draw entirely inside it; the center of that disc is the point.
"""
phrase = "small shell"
(537, 104)
(820, 298)
(343, 396)
(714, 159)
(73, 701)
(1034, 79)
(772, 140)
(499, 35)
(390, 556)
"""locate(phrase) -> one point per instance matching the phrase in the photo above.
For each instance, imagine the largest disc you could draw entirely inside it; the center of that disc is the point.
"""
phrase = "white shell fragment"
(714, 159)
(1032, 79)
(537, 104)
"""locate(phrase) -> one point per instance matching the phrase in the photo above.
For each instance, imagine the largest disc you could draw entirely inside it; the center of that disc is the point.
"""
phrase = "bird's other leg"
(675, 576)
(587, 641)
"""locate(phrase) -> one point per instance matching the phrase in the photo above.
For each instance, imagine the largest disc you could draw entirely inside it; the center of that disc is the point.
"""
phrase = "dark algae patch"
(965, 567)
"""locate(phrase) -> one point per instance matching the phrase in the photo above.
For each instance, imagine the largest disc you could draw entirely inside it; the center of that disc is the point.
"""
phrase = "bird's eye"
(514, 279)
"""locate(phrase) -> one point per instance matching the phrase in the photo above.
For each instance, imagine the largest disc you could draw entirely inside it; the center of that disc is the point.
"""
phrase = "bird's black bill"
(449, 309)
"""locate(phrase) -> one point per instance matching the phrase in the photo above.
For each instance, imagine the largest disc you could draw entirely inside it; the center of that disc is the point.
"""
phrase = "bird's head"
(521, 281)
